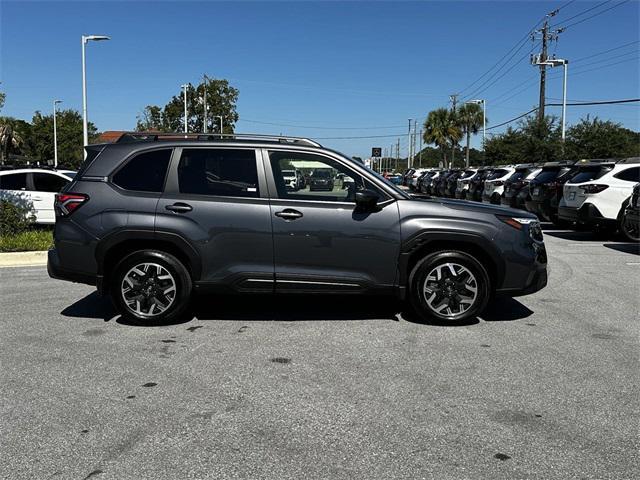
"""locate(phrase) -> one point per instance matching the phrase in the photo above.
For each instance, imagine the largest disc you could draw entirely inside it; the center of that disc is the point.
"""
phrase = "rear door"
(44, 186)
(321, 242)
(216, 199)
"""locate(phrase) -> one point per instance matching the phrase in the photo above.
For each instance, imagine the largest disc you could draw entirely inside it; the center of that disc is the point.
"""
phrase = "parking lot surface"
(544, 386)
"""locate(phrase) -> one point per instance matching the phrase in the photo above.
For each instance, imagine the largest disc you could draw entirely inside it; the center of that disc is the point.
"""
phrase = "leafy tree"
(221, 101)
(442, 130)
(3, 96)
(601, 139)
(470, 119)
(39, 144)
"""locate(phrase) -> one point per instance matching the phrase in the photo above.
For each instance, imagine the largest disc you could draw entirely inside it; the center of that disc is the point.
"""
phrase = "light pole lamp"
(184, 89)
(55, 134)
(85, 131)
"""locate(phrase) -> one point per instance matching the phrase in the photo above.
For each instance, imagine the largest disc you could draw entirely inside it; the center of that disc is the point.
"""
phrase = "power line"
(605, 51)
(582, 13)
(595, 14)
(318, 127)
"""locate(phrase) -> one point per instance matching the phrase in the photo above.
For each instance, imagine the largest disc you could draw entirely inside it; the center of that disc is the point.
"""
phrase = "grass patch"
(28, 241)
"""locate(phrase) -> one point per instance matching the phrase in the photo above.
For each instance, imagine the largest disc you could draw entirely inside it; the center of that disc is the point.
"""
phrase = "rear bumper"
(587, 214)
(59, 273)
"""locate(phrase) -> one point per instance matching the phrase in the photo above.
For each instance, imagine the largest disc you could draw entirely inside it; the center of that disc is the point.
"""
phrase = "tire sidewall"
(166, 260)
(422, 269)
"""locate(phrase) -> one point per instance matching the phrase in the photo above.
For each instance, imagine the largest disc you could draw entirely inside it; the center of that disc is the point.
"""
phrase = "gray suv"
(153, 219)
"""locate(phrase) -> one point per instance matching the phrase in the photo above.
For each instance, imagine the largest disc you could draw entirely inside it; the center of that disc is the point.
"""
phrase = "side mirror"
(366, 199)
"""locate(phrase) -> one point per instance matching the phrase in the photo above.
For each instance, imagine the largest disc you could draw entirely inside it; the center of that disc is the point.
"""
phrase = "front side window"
(322, 178)
(218, 172)
(144, 172)
(47, 182)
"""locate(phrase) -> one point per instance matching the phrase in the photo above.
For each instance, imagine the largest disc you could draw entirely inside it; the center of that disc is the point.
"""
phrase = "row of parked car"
(597, 194)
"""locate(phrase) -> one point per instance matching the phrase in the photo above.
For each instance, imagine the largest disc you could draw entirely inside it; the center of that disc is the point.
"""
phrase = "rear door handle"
(289, 214)
(179, 207)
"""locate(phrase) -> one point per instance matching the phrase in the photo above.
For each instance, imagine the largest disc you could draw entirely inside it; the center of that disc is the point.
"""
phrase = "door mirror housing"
(366, 199)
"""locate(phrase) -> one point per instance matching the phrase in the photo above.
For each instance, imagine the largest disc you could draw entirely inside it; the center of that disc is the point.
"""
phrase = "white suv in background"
(34, 187)
(597, 194)
(494, 184)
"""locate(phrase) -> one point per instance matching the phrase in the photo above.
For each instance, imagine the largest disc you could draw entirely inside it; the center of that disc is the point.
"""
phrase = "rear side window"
(13, 181)
(218, 172)
(497, 174)
(467, 174)
(144, 172)
(46, 182)
(629, 175)
(590, 173)
(547, 175)
(517, 175)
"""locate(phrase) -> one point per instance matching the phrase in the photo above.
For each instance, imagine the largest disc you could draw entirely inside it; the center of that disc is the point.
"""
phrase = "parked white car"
(413, 180)
(463, 182)
(494, 184)
(597, 194)
(35, 188)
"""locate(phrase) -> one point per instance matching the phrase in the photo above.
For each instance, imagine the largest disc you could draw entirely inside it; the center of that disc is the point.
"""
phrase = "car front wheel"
(449, 286)
(150, 287)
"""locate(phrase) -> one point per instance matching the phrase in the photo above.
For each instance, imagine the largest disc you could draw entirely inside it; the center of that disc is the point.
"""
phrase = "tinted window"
(324, 179)
(144, 172)
(220, 172)
(518, 175)
(630, 174)
(46, 182)
(547, 175)
(497, 174)
(467, 174)
(13, 181)
(587, 174)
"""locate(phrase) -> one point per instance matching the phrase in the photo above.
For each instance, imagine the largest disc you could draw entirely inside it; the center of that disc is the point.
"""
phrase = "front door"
(321, 241)
(217, 201)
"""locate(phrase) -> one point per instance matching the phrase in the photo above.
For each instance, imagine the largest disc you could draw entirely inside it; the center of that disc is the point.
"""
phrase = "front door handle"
(179, 207)
(289, 214)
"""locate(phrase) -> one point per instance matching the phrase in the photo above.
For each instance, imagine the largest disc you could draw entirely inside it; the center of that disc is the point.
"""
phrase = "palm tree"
(9, 140)
(441, 129)
(470, 120)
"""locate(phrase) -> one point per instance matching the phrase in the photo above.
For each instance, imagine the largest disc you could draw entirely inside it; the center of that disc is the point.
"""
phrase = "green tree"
(441, 129)
(601, 139)
(221, 101)
(39, 144)
(3, 96)
(470, 119)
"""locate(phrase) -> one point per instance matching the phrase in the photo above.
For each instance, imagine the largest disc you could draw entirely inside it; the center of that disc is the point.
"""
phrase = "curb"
(23, 259)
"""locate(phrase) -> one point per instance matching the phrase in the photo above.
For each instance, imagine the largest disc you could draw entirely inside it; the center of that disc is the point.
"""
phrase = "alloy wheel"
(148, 289)
(450, 289)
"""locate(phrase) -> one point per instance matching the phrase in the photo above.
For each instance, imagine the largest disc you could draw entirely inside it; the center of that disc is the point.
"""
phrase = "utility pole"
(540, 59)
(413, 139)
(454, 101)
(204, 101)
(184, 88)
(420, 151)
(409, 145)
(397, 154)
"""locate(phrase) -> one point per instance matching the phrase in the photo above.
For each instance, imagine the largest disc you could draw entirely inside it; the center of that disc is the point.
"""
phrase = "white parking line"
(633, 263)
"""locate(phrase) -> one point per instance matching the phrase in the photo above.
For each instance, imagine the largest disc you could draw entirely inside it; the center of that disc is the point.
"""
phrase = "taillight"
(67, 203)
(593, 188)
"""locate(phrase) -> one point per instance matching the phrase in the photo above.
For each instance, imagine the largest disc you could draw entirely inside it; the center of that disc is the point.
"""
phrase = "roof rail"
(131, 137)
(630, 160)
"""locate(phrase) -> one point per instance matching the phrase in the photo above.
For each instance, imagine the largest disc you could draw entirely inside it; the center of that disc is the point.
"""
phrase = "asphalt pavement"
(541, 387)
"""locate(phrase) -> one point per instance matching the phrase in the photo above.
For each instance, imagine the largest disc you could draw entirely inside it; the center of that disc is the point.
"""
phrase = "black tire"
(630, 231)
(426, 266)
(180, 280)
(559, 222)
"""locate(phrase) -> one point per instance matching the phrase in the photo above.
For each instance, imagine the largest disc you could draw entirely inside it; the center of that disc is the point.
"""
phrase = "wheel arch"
(115, 247)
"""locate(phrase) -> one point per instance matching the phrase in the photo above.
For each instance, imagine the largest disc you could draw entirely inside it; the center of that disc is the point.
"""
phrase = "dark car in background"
(321, 180)
(452, 183)
(476, 187)
(630, 222)
(545, 190)
(515, 183)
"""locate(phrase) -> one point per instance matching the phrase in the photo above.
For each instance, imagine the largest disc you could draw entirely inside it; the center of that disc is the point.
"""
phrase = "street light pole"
(55, 135)
(204, 129)
(85, 130)
(184, 88)
(220, 117)
(565, 64)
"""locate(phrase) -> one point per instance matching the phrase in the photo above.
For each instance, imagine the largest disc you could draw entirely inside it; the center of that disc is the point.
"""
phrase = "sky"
(325, 70)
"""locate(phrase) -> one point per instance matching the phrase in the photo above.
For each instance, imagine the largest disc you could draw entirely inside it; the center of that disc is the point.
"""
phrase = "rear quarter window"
(629, 175)
(145, 172)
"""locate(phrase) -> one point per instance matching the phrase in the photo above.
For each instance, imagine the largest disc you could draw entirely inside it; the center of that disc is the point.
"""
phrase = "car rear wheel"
(629, 229)
(151, 286)
(449, 286)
